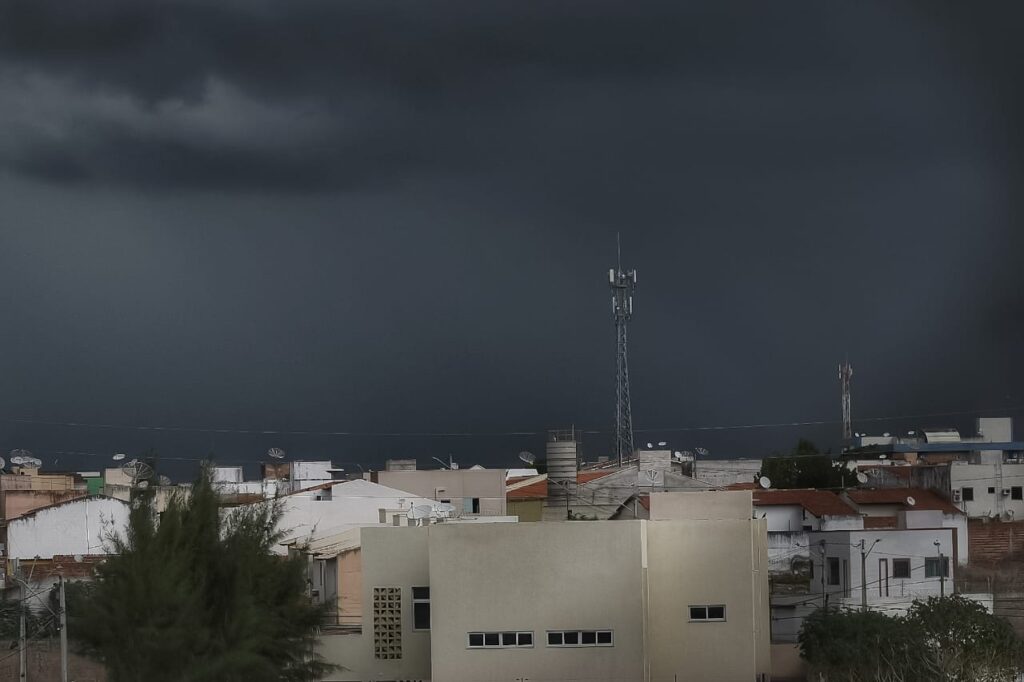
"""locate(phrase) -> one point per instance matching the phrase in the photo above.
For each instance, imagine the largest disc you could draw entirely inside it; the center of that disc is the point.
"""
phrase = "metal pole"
(942, 575)
(63, 635)
(863, 578)
(22, 651)
(824, 595)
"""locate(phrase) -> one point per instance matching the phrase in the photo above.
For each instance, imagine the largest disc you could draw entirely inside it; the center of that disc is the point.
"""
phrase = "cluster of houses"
(661, 568)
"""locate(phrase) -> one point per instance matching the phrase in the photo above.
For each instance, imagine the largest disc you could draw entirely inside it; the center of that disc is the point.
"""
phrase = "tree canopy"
(196, 595)
(805, 467)
(941, 639)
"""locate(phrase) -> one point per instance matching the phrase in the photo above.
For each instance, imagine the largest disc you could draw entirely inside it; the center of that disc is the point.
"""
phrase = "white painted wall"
(785, 517)
(78, 527)
(983, 478)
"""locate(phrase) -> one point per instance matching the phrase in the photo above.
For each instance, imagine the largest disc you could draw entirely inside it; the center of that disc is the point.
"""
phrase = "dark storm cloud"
(381, 216)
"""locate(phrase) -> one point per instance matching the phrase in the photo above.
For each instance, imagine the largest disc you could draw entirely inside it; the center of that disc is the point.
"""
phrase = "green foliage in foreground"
(947, 639)
(198, 597)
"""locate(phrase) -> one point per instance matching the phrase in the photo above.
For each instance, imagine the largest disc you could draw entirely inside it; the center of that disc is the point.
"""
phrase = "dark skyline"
(387, 217)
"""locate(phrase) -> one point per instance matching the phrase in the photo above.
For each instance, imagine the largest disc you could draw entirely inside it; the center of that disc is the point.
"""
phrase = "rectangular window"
(1015, 493)
(967, 494)
(991, 490)
(883, 577)
(933, 567)
(579, 638)
(476, 505)
(707, 614)
(421, 608)
(833, 570)
(901, 568)
(499, 640)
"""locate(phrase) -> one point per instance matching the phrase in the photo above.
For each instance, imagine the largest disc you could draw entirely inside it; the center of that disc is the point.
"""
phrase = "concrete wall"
(786, 517)
(982, 477)
(78, 527)
(526, 510)
(723, 472)
(787, 551)
(16, 503)
(685, 569)
(458, 485)
(712, 504)
(537, 577)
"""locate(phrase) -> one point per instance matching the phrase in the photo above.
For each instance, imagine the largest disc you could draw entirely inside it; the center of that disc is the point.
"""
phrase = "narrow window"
(833, 570)
(901, 568)
(476, 505)
(705, 614)
(421, 608)
(967, 494)
(1015, 493)
(716, 613)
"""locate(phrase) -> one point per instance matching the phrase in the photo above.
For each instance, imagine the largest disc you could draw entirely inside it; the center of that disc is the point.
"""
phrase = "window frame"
(967, 494)
(930, 564)
(420, 601)
(707, 613)
(991, 490)
(895, 571)
(517, 636)
(578, 634)
(1016, 492)
(834, 567)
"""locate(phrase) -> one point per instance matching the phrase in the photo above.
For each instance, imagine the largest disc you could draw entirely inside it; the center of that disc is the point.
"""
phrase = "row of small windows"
(933, 568)
(556, 638)
(1016, 493)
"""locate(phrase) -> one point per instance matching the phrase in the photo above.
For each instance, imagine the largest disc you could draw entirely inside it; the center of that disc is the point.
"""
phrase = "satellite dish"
(20, 452)
(143, 485)
(78, 558)
(137, 471)
(164, 480)
(862, 477)
(419, 511)
(444, 510)
(17, 459)
(851, 465)
(31, 462)
(650, 445)
(764, 482)
(885, 435)
(662, 443)
(118, 457)
(652, 475)
(911, 433)
(882, 456)
(703, 452)
(911, 501)
(527, 458)
(678, 456)
(2, 463)
(687, 453)
(275, 453)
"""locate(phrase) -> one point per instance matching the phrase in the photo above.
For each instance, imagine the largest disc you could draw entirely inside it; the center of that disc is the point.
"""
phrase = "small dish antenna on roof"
(118, 457)
(687, 453)
(21, 456)
(703, 452)
(886, 434)
(764, 482)
(911, 433)
(163, 480)
(444, 510)
(275, 453)
(137, 471)
(78, 558)
(2, 463)
(652, 475)
(650, 445)
(911, 501)
(851, 465)
(662, 443)
(143, 485)
(862, 477)
(527, 458)
(678, 456)
(882, 456)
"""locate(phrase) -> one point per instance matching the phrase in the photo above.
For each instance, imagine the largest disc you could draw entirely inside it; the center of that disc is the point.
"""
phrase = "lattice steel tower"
(622, 284)
(845, 374)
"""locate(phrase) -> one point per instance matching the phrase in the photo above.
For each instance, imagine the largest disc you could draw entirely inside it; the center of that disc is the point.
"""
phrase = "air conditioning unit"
(1006, 492)
(956, 496)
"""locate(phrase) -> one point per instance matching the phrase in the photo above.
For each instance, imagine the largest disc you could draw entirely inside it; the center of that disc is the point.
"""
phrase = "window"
(421, 608)
(578, 638)
(1015, 493)
(833, 570)
(706, 614)
(901, 568)
(967, 494)
(933, 567)
(499, 640)
(991, 490)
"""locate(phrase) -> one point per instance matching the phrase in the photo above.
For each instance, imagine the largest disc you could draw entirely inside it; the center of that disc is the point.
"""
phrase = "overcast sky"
(376, 216)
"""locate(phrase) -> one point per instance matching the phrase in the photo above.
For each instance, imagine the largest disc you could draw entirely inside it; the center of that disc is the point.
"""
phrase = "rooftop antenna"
(702, 452)
(137, 471)
(845, 374)
(118, 457)
(275, 453)
(527, 458)
(2, 463)
(764, 482)
(419, 511)
(862, 478)
(622, 284)
(911, 501)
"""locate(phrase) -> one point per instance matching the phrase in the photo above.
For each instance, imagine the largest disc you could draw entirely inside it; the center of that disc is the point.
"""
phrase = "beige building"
(684, 598)
(470, 491)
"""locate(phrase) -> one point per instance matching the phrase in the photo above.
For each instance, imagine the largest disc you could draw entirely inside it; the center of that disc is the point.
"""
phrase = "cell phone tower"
(622, 284)
(845, 374)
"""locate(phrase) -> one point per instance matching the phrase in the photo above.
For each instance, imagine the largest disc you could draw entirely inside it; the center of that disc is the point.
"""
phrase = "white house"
(79, 527)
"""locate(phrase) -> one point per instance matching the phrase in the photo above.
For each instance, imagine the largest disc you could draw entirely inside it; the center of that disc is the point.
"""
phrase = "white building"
(79, 527)
(681, 599)
(725, 472)
(472, 491)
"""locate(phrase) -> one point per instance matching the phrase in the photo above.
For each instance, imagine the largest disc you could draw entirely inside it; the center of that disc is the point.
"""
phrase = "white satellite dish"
(2, 463)
(118, 457)
(32, 462)
(419, 511)
(703, 452)
(78, 558)
(862, 477)
(678, 456)
(137, 471)
(143, 485)
(650, 445)
(885, 435)
(17, 459)
(662, 443)
(652, 475)
(687, 453)
(527, 458)
(851, 465)
(764, 482)
(275, 453)
(444, 510)
(882, 456)
(163, 480)
(911, 501)
(911, 433)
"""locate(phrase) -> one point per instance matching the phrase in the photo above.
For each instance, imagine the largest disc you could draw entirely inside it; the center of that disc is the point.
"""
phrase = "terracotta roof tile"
(879, 522)
(743, 486)
(817, 502)
(926, 500)
(539, 490)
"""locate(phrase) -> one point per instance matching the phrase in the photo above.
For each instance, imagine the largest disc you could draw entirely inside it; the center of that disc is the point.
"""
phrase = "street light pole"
(942, 569)
(863, 573)
(63, 635)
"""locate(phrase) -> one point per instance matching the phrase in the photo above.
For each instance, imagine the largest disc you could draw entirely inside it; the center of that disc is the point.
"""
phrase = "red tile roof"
(539, 490)
(926, 500)
(742, 486)
(879, 522)
(645, 502)
(817, 502)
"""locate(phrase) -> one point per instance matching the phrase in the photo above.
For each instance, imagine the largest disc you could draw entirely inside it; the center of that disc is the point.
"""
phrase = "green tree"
(805, 467)
(198, 596)
(942, 639)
